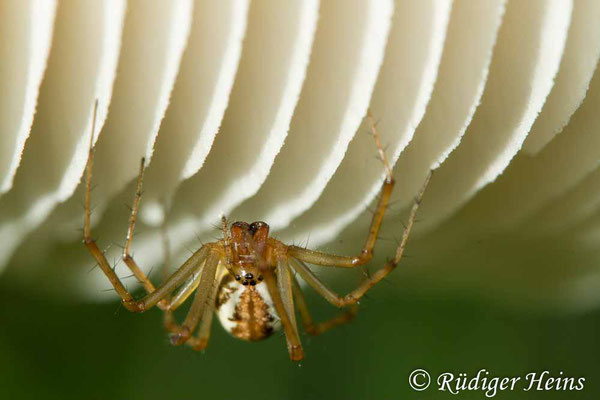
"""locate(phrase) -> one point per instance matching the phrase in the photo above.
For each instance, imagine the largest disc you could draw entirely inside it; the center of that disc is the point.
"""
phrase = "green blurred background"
(54, 348)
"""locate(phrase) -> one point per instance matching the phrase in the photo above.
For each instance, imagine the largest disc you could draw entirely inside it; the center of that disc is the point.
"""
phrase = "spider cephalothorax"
(247, 278)
(249, 249)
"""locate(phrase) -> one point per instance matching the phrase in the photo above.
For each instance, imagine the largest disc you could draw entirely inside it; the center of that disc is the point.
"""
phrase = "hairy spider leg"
(284, 285)
(87, 230)
(205, 287)
(291, 331)
(126, 256)
(154, 296)
(179, 297)
(184, 291)
(319, 258)
(176, 299)
(307, 321)
(299, 255)
(323, 259)
(200, 341)
(228, 255)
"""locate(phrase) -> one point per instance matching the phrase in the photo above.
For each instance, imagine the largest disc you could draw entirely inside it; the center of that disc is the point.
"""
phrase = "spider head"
(248, 244)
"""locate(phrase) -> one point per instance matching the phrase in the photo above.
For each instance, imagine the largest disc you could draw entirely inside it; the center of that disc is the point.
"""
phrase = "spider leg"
(151, 299)
(284, 286)
(353, 296)
(313, 281)
(154, 296)
(307, 322)
(127, 257)
(87, 230)
(318, 258)
(182, 294)
(168, 321)
(200, 341)
(291, 331)
(204, 290)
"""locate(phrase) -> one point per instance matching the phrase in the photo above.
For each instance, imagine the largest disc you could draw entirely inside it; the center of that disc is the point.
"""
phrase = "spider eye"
(237, 277)
(256, 225)
(245, 282)
(249, 276)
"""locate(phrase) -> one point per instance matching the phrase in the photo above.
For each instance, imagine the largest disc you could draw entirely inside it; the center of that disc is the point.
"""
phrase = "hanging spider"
(246, 277)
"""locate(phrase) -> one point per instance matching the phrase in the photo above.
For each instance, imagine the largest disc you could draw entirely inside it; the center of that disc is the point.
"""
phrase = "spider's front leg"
(89, 242)
(154, 296)
(333, 261)
(299, 255)
(319, 258)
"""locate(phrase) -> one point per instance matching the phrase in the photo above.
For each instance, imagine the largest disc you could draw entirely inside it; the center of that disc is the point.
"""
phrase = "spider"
(247, 277)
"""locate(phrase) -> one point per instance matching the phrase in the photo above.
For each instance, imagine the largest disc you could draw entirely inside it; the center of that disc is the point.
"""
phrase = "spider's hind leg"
(318, 328)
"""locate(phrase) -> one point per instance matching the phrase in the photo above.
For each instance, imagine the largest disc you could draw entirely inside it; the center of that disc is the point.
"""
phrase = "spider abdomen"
(246, 312)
